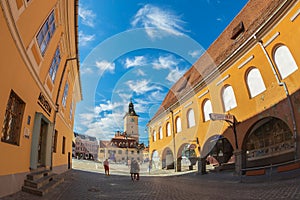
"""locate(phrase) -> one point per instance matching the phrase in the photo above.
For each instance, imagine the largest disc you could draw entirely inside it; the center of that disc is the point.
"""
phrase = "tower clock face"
(132, 120)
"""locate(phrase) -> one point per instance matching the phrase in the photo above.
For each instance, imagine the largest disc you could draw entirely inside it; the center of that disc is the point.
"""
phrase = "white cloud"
(195, 53)
(140, 72)
(85, 39)
(175, 74)
(137, 61)
(156, 96)
(105, 66)
(87, 16)
(124, 96)
(107, 106)
(165, 62)
(103, 120)
(105, 127)
(86, 70)
(142, 86)
(151, 18)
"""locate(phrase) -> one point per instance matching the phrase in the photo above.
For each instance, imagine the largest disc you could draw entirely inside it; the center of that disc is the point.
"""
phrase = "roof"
(105, 144)
(253, 15)
(85, 137)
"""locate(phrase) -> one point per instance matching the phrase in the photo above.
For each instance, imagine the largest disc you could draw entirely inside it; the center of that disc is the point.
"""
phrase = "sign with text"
(225, 117)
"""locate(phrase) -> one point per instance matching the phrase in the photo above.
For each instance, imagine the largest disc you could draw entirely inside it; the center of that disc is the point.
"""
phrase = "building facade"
(124, 146)
(248, 80)
(119, 154)
(40, 86)
(86, 147)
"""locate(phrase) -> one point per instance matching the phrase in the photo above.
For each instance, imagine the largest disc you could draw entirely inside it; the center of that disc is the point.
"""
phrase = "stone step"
(37, 183)
(38, 174)
(44, 189)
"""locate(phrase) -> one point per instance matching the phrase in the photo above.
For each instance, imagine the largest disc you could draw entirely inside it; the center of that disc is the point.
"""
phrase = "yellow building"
(40, 86)
(249, 79)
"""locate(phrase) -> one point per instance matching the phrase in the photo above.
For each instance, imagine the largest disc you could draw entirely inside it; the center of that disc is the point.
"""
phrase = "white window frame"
(284, 61)
(228, 97)
(207, 109)
(178, 125)
(161, 135)
(64, 99)
(255, 82)
(191, 122)
(168, 129)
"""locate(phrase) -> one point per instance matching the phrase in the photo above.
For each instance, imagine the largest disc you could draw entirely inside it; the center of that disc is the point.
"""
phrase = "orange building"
(40, 86)
(249, 80)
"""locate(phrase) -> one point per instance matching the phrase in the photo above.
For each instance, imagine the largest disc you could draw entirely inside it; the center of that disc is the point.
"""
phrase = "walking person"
(106, 167)
(135, 170)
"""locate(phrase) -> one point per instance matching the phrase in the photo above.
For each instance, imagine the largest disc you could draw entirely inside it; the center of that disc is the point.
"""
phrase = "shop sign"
(43, 102)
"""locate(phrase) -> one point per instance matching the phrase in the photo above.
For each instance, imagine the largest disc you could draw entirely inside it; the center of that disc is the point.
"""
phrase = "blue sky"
(139, 49)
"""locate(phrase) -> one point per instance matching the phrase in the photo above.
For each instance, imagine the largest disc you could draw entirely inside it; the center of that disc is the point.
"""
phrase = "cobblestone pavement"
(81, 185)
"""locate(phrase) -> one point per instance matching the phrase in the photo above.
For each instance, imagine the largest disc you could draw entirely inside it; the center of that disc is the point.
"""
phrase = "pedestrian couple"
(135, 170)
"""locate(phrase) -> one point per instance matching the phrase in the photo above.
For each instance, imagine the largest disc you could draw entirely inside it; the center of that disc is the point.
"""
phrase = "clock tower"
(131, 124)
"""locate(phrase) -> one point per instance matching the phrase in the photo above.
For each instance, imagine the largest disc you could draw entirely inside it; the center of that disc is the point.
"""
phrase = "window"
(71, 109)
(154, 136)
(168, 129)
(255, 82)
(207, 109)
(190, 118)
(63, 145)
(46, 32)
(55, 141)
(54, 65)
(160, 133)
(64, 99)
(13, 119)
(284, 61)
(178, 125)
(228, 97)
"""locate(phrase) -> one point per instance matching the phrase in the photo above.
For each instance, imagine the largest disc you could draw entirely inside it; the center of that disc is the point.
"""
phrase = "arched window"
(178, 125)
(168, 129)
(207, 109)
(191, 118)
(284, 61)
(255, 82)
(160, 133)
(154, 136)
(228, 97)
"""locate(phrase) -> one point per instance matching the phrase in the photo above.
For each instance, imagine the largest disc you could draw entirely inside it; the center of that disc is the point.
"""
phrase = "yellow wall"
(25, 71)
(247, 107)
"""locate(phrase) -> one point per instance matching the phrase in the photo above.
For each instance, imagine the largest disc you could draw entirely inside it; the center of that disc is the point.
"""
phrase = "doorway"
(42, 144)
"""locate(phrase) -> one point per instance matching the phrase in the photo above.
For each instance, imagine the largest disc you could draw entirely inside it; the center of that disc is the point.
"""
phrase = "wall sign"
(42, 101)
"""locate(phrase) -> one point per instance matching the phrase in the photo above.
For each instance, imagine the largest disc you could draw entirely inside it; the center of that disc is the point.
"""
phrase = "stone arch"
(217, 148)
(155, 160)
(268, 141)
(167, 159)
(186, 156)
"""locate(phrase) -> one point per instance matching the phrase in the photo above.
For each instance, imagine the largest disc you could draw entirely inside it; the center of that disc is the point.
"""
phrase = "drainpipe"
(173, 133)
(281, 83)
(57, 104)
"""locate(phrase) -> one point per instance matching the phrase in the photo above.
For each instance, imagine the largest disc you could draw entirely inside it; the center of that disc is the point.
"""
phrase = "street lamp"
(126, 137)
